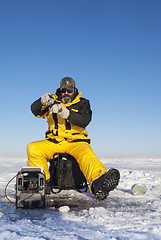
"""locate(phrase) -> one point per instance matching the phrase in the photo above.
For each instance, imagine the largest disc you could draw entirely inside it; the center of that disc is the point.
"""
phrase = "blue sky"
(112, 48)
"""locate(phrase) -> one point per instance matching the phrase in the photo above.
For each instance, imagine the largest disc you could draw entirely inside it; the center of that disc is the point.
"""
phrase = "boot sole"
(110, 182)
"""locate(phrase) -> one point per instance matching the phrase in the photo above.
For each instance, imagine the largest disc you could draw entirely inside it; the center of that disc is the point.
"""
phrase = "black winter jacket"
(70, 129)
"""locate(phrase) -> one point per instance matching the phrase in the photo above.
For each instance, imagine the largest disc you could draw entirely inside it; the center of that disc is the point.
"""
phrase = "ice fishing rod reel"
(30, 188)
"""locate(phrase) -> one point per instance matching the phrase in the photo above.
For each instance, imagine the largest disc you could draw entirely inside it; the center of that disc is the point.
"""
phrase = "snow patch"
(64, 209)
(121, 216)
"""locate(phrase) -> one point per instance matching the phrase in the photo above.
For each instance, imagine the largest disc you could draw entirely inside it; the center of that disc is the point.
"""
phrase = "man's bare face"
(67, 95)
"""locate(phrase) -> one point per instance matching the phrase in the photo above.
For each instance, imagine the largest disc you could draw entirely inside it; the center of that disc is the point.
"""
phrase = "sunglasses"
(66, 90)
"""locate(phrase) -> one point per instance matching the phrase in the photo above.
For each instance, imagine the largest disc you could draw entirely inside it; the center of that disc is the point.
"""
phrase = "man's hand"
(47, 99)
(60, 110)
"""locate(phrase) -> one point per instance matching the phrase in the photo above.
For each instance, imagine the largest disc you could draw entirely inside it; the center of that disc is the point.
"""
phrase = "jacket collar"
(76, 100)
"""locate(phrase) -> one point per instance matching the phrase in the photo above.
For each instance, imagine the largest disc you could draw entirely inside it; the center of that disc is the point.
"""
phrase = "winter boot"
(106, 183)
(47, 186)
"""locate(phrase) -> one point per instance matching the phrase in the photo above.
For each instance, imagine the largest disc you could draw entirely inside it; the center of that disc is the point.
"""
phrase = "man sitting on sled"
(68, 114)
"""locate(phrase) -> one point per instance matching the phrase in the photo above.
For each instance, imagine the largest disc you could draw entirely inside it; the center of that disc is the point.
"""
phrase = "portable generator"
(30, 188)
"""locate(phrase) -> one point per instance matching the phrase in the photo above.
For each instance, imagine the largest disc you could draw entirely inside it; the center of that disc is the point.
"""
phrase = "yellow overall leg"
(38, 152)
(89, 164)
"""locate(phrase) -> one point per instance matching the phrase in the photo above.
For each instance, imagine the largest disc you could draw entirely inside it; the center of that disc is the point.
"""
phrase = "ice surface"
(121, 216)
